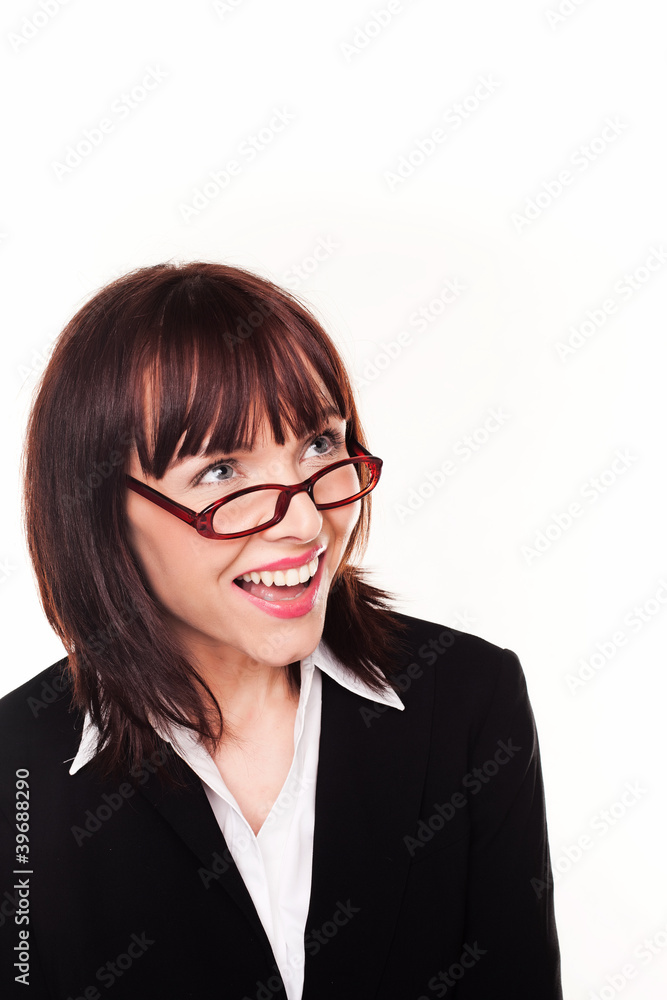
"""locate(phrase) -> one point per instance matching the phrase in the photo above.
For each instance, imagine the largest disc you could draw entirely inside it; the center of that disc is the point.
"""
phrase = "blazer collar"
(322, 658)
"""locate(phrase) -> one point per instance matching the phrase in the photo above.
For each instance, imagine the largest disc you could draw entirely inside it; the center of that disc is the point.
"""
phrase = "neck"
(245, 689)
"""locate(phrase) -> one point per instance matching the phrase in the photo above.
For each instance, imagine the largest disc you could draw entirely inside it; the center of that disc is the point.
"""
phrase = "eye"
(221, 472)
(329, 442)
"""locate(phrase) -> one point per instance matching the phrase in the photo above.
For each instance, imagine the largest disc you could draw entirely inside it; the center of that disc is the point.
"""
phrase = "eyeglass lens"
(254, 509)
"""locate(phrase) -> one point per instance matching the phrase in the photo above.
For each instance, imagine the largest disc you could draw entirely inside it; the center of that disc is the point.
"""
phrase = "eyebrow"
(327, 414)
(330, 413)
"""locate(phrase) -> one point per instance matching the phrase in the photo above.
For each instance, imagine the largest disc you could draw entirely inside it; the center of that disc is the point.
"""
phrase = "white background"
(467, 552)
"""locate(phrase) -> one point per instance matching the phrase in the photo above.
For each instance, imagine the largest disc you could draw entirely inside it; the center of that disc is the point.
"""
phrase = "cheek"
(173, 555)
(342, 521)
(163, 559)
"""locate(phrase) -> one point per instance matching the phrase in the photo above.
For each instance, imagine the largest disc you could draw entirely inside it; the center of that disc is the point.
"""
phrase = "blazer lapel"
(188, 812)
(368, 797)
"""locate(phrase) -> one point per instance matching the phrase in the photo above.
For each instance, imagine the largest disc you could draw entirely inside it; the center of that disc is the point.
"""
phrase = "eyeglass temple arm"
(185, 513)
(359, 449)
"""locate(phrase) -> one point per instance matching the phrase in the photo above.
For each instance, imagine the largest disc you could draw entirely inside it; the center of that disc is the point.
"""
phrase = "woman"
(249, 778)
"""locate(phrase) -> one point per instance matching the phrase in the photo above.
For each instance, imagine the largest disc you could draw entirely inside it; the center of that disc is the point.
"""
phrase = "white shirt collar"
(322, 658)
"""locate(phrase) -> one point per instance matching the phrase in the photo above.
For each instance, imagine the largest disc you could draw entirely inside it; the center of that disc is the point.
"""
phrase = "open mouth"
(279, 585)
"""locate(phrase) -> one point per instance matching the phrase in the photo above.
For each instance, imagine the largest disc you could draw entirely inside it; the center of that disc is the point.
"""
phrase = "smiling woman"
(229, 774)
(196, 375)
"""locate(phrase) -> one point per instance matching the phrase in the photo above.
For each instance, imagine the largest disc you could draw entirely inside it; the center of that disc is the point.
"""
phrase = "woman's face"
(221, 617)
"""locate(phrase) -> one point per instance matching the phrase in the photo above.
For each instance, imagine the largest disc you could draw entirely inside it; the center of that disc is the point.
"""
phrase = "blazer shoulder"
(459, 661)
(32, 712)
(429, 640)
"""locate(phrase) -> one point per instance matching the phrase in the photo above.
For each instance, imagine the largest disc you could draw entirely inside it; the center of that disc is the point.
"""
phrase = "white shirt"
(276, 865)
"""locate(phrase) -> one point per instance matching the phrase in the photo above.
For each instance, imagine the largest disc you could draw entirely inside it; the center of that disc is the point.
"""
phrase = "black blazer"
(430, 868)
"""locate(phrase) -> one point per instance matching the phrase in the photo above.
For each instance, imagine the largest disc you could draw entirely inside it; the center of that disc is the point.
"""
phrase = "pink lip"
(289, 609)
(287, 563)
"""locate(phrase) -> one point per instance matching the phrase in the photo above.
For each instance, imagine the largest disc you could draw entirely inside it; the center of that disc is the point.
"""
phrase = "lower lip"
(295, 608)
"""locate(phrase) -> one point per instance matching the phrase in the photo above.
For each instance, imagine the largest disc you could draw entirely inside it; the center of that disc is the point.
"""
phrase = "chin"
(289, 643)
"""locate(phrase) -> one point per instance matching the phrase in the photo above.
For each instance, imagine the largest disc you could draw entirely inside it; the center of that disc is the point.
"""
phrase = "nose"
(302, 521)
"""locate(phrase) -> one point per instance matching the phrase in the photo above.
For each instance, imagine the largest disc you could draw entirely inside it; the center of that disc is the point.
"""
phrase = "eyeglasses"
(258, 507)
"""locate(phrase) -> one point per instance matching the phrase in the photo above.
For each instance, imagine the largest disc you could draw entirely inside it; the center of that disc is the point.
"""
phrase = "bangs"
(220, 366)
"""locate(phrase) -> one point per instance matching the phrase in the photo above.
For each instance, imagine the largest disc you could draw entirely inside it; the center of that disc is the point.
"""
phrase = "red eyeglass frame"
(203, 521)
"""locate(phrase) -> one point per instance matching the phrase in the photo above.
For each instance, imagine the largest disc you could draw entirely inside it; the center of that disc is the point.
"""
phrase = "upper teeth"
(288, 578)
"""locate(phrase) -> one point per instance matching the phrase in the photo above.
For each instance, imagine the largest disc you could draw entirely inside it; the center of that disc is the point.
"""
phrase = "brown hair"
(220, 349)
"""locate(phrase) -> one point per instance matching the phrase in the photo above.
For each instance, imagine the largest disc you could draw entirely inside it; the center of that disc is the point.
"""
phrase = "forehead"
(231, 418)
(198, 388)
(263, 438)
